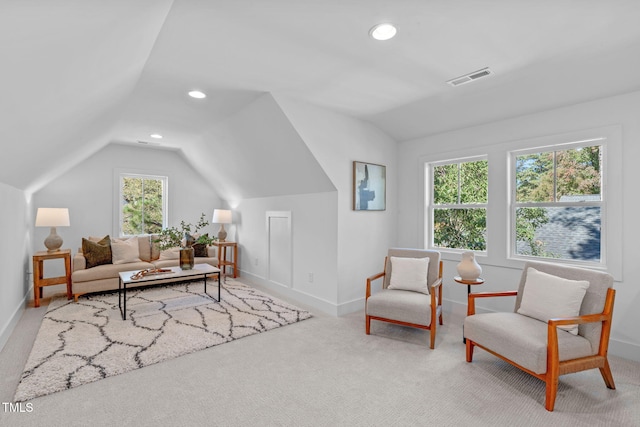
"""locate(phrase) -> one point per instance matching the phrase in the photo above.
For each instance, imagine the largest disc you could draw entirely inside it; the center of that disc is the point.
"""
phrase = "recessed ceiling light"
(156, 136)
(384, 31)
(197, 94)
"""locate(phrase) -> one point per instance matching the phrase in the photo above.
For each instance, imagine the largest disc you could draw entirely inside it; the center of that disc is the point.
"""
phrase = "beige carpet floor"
(325, 371)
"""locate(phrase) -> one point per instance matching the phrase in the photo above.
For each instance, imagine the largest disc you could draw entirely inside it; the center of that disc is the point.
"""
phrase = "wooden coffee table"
(177, 274)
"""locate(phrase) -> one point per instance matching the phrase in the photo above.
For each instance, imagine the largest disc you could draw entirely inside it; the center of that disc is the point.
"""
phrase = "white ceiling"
(77, 75)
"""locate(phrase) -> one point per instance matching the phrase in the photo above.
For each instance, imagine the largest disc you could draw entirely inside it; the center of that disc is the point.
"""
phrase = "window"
(143, 201)
(457, 215)
(557, 203)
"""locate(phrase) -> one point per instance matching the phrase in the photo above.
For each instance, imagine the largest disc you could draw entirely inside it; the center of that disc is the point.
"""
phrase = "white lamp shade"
(52, 217)
(221, 216)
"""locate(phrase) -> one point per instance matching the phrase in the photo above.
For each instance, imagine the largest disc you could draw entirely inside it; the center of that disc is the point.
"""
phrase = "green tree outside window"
(142, 205)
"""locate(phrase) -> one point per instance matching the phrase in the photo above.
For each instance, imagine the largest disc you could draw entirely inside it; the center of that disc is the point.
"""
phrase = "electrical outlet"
(310, 278)
(255, 261)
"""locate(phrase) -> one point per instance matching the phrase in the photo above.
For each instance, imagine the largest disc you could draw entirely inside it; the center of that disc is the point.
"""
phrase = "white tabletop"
(198, 269)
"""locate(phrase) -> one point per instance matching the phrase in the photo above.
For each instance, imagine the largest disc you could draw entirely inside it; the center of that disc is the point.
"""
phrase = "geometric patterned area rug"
(83, 342)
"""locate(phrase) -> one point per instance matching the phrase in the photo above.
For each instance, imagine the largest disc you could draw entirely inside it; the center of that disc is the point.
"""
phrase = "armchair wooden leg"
(551, 391)
(441, 318)
(469, 350)
(368, 323)
(432, 338)
(605, 371)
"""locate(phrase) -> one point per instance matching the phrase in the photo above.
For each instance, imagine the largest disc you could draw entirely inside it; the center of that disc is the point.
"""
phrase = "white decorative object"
(468, 268)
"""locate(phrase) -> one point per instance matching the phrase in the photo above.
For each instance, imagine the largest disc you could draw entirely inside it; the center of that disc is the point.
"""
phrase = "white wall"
(257, 153)
(90, 191)
(620, 111)
(15, 257)
(314, 243)
(363, 236)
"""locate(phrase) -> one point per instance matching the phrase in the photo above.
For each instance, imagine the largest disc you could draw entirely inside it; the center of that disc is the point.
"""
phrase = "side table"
(469, 283)
(38, 272)
(223, 262)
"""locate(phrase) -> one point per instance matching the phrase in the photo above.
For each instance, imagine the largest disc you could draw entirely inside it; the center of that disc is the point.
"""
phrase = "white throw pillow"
(546, 297)
(171, 253)
(409, 274)
(124, 251)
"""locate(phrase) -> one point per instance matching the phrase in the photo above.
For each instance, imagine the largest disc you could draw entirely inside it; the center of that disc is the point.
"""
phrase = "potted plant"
(184, 238)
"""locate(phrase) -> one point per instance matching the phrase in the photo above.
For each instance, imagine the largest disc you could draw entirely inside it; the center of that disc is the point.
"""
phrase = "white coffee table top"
(176, 272)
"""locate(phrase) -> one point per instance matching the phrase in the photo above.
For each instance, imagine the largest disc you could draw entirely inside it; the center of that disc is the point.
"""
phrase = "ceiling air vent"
(470, 77)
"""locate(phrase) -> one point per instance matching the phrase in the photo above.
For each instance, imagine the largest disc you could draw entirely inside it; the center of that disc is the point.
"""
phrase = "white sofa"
(105, 277)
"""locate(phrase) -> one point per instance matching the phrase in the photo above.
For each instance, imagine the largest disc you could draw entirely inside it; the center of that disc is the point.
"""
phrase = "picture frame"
(369, 186)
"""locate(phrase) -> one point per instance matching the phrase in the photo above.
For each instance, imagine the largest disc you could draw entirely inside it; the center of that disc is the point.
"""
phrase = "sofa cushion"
(171, 253)
(107, 271)
(125, 251)
(155, 248)
(97, 253)
(144, 248)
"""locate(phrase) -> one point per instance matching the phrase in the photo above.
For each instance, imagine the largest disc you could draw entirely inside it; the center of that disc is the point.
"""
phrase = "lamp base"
(53, 242)
(222, 234)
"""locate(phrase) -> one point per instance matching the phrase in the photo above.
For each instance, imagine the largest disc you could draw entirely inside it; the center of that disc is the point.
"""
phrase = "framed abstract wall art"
(369, 187)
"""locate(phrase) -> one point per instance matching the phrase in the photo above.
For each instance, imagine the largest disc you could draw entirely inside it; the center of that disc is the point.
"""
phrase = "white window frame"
(602, 204)
(430, 206)
(120, 180)
(498, 214)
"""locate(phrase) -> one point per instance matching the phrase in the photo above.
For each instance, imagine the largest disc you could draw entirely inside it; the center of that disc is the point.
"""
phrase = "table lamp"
(52, 217)
(222, 217)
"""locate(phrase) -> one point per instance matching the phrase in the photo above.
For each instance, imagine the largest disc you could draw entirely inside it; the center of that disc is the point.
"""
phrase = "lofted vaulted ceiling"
(79, 74)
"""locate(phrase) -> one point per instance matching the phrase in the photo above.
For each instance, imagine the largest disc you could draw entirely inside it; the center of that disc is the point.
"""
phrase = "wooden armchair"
(543, 349)
(407, 307)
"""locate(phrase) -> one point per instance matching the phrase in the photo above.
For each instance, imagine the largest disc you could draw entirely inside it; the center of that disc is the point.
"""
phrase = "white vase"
(468, 268)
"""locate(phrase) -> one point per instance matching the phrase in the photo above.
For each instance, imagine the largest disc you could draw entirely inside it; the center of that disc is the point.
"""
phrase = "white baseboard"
(9, 326)
(351, 306)
(312, 301)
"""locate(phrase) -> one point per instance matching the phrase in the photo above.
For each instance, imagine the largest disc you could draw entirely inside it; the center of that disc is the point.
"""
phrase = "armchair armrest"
(587, 318)
(436, 292)
(369, 280)
(471, 303)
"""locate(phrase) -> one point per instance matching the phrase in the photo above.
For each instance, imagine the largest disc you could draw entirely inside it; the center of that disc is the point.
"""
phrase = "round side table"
(469, 283)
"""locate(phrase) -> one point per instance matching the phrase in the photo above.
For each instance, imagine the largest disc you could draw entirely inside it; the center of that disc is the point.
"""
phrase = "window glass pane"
(534, 177)
(474, 181)
(460, 228)
(445, 184)
(578, 174)
(131, 194)
(142, 205)
(571, 233)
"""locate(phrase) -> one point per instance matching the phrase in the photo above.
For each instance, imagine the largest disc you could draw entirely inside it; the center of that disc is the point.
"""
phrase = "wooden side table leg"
(235, 261)
(37, 276)
(224, 263)
(67, 267)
